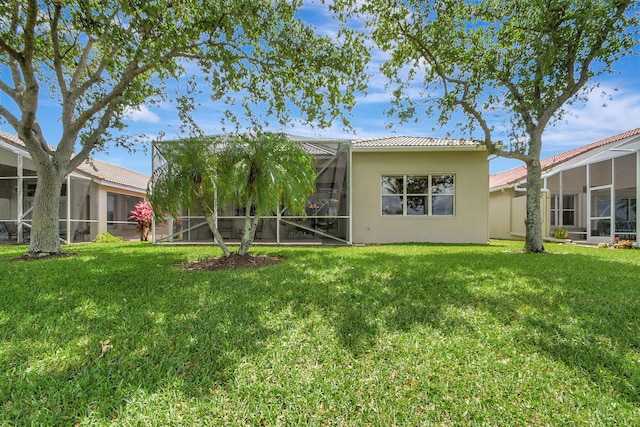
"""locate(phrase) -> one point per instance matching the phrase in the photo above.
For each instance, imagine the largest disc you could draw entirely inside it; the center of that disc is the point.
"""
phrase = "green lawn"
(344, 336)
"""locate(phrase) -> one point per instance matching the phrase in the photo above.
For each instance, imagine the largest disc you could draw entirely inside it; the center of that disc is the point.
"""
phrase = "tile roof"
(314, 146)
(109, 173)
(515, 175)
(113, 174)
(412, 141)
(13, 139)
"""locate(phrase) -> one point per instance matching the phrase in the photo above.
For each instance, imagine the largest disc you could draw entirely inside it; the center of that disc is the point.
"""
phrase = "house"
(591, 191)
(96, 197)
(380, 190)
(417, 189)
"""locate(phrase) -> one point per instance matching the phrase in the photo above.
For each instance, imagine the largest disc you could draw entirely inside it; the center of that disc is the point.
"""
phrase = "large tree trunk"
(533, 222)
(46, 214)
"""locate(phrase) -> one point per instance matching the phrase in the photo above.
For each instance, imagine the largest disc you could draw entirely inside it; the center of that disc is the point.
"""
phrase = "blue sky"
(584, 123)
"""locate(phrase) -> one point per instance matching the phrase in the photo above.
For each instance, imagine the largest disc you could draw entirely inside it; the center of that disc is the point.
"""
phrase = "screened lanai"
(594, 196)
(327, 218)
(18, 180)
(95, 199)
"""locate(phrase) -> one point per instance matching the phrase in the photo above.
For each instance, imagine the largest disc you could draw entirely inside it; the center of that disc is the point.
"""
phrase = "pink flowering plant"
(143, 214)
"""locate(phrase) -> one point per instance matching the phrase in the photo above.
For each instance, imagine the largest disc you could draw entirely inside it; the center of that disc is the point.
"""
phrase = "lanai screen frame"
(628, 148)
(328, 213)
(78, 219)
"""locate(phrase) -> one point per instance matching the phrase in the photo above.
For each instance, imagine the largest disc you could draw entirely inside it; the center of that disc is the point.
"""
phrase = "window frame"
(556, 213)
(630, 208)
(429, 195)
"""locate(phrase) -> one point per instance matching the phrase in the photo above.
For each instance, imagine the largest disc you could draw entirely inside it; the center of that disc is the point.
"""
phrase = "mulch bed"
(232, 262)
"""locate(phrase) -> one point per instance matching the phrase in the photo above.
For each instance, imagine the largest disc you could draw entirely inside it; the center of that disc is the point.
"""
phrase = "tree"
(99, 58)
(512, 64)
(188, 176)
(260, 173)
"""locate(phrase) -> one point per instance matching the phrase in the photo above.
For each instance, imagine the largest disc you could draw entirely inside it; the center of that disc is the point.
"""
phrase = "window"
(625, 209)
(568, 212)
(411, 195)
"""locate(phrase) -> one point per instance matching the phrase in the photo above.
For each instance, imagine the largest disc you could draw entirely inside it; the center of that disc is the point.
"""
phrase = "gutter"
(105, 183)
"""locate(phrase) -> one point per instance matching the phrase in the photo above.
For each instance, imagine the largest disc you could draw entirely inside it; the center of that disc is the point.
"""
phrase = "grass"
(342, 336)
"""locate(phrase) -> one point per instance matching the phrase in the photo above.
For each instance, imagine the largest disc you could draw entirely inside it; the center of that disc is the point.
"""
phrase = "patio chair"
(10, 228)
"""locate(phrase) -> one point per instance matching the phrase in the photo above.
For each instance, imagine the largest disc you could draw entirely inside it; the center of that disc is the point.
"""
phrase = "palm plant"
(188, 175)
(261, 173)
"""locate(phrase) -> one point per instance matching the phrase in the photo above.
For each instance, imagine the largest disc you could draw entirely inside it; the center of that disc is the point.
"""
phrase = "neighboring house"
(382, 190)
(591, 191)
(96, 197)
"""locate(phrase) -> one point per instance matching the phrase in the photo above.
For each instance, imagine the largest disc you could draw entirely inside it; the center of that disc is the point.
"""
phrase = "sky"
(598, 118)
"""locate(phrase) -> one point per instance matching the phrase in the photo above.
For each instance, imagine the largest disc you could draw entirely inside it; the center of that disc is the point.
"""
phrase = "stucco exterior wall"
(518, 209)
(469, 224)
(500, 214)
(507, 213)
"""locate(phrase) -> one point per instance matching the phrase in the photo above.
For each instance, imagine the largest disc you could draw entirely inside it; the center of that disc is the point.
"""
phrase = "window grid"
(416, 195)
(568, 212)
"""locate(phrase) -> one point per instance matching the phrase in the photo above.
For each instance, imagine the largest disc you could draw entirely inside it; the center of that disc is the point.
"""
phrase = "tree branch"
(9, 117)
(15, 54)
(521, 105)
(15, 57)
(13, 94)
(57, 55)
(461, 101)
(30, 97)
(93, 138)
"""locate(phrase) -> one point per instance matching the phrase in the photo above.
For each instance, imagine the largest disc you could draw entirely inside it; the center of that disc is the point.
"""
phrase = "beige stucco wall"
(518, 229)
(500, 214)
(468, 225)
(508, 210)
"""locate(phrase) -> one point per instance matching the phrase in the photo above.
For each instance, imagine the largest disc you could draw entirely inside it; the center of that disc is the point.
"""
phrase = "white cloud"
(141, 114)
(598, 118)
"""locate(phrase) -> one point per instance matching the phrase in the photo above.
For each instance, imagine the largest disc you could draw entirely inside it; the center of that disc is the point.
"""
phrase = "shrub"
(624, 244)
(143, 214)
(107, 238)
(560, 233)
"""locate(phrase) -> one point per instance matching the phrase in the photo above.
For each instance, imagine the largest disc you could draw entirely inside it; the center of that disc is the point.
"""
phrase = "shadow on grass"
(579, 310)
(83, 334)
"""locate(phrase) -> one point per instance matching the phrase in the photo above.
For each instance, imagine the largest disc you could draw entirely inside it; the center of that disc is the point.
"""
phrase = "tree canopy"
(99, 58)
(511, 67)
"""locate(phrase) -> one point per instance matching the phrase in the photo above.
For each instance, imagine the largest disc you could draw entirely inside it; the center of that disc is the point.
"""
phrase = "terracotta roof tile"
(515, 175)
(114, 174)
